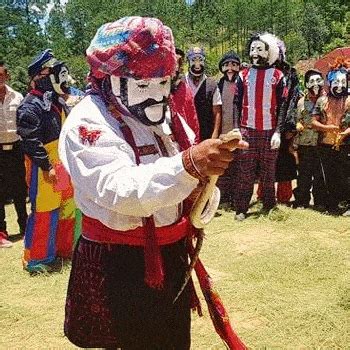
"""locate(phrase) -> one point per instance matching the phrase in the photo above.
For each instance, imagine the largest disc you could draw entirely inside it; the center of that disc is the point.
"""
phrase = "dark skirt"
(109, 305)
(286, 167)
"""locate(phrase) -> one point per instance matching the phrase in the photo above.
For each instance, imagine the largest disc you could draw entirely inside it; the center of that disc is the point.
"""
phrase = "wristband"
(189, 164)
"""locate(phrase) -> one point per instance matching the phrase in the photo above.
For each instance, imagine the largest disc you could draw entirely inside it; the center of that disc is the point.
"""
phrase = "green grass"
(284, 280)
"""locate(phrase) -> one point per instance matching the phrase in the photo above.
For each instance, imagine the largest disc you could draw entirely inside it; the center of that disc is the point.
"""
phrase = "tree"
(314, 28)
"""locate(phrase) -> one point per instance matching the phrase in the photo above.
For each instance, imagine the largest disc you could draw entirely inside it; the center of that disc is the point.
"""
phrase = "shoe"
(240, 217)
(319, 208)
(298, 205)
(346, 214)
(4, 242)
(55, 266)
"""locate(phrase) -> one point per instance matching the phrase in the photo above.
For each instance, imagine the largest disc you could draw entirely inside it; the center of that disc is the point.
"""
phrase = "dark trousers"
(310, 176)
(258, 160)
(13, 185)
(336, 169)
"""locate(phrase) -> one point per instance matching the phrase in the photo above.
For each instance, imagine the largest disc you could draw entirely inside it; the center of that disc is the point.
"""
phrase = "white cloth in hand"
(276, 140)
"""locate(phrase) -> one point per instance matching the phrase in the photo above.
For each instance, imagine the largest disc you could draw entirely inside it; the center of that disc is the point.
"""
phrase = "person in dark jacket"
(286, 168)
(207, 98)
(229, 66)
(50, 227)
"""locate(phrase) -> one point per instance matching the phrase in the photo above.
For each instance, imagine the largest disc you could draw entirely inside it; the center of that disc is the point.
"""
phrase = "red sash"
(94, 230)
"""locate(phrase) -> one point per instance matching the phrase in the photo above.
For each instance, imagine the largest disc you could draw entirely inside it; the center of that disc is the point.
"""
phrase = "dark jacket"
(203, 101)
(39, 123)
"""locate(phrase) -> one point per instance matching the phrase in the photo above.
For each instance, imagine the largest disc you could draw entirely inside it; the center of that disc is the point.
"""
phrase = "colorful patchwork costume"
(50, 228)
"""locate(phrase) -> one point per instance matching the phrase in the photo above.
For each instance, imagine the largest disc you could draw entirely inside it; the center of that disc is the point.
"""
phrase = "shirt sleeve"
(105, 172)
(29, 128)
(217, 98)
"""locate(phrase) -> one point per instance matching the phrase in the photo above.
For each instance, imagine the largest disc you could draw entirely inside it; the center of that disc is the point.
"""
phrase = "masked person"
(286, 168)
(309, 169)
(331, 117)
(131, 176)
(12, 171)
(206, 94)
(258, 111)
(181, 97)
(229, 66)
(49, 232)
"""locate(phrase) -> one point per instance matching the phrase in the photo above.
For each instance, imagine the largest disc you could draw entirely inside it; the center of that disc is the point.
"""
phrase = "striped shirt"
(260, 93)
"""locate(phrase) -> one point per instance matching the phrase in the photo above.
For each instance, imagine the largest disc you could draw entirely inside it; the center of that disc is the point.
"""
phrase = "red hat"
(132, 47)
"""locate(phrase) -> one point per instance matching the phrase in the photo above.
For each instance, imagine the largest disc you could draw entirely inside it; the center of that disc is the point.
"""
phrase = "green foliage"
(19, 79)
(336, 42)
(314, 28)
(308, 28)
(296, 46)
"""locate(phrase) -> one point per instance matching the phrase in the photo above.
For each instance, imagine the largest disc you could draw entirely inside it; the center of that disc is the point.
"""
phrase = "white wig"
(272, 41)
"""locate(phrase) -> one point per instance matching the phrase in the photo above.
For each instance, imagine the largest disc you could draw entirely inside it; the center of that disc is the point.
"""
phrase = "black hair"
(311, 72)
(180, 52)
(256, 37)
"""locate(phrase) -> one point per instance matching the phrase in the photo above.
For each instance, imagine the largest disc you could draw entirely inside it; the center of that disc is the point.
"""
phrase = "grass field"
(284, 280)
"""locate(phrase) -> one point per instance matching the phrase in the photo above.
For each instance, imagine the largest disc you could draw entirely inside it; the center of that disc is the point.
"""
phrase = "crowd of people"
(116, 178)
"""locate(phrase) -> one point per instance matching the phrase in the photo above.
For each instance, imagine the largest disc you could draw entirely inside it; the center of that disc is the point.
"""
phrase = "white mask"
(145, 99)
(315, 83)
(258, 53)
(339, 84)
(196, 65)
(59, 80)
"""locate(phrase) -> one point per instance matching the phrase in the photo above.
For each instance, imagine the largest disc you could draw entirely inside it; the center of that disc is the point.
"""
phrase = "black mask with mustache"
(138, 110)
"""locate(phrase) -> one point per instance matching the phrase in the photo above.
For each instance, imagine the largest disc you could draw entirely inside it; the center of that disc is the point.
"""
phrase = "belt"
(8, 146)
(94, 230)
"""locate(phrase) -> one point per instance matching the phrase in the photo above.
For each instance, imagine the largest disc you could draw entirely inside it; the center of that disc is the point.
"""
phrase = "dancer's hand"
(332, 127)
(346, 132)
(213, 156)
(50, 176)
(276, 140)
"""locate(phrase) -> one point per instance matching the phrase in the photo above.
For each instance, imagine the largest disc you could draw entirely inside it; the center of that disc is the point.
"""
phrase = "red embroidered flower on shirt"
(88, 136)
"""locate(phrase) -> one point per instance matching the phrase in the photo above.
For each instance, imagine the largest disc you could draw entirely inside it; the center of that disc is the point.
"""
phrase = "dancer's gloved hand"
(50, 176)
(346, 132)
(276, 140)
(212, 156)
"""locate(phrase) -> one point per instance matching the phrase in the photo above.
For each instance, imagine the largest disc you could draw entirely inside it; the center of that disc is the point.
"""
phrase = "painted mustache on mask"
(138, 110)
(197, 71)
(336, 93)
(258, 60)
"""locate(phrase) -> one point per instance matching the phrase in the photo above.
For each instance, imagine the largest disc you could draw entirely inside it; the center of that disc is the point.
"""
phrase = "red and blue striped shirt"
(260, 93)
